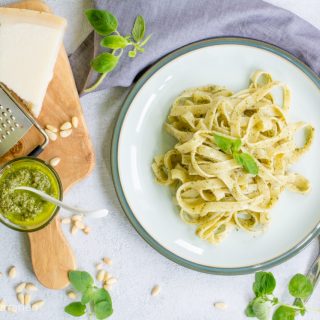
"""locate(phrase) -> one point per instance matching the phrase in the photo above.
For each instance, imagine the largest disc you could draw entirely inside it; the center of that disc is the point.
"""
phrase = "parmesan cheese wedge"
(29, 46)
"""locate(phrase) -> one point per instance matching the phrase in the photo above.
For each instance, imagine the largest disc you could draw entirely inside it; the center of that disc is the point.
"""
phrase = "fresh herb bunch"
(95, 301)
(232, 146)
(106, 24)
(300, 287)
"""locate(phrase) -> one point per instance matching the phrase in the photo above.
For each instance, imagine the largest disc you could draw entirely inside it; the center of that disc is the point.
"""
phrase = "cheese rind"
(29, 46)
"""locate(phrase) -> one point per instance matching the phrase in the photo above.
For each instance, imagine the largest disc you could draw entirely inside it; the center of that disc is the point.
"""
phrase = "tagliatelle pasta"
(212, 189)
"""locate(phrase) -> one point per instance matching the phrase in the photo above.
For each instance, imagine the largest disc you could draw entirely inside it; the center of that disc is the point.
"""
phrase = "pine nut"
(107, 286)
(112, 280)
(72, 295)
(107, 276)
(100, 275)
(52, 136)
(76, 217)
(20, 297)
(20, 287)
(55, 161)
(2, 305)
(155, 290)
(79, 224)
(66, 126)
(51, 128)
(220, 305)
(27, 299)
(12, 272)
(0, 274)
(31, 287)
(74, 229)
(107, 261)
(37, 305)
(75, 122)
(99, 266)
(65, 133)
(65, 220)
(87, 230)
(12, 309)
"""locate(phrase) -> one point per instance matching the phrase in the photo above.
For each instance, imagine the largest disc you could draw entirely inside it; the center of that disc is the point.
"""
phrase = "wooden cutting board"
(51, 255)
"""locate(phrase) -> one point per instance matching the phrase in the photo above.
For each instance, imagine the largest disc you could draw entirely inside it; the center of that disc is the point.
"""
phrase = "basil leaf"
(264, 283)
(114, 42)
(139, 29)
(132, 53)
(104, 62)
(284, 313)
(102, 295)
(88, 295)
(227, 145)
(80, 280)
(247, 161)
(76, 309)
(103, 309)
(261, 308)
(300, 286)
(103, 22)
(249, 311)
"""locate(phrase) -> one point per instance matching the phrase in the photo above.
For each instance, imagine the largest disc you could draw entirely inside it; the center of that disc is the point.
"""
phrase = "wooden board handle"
(51, 256)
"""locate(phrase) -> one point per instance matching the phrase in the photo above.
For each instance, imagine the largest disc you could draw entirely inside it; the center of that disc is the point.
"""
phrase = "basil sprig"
(233, 146)
(263, 287)
(106, 24)
(94, 300)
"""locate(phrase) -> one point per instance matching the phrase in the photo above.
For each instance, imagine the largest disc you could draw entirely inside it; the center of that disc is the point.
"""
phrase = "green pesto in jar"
(21, 207)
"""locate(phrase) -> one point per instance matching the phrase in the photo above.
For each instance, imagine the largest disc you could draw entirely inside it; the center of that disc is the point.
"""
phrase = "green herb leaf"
(300, 286)
(114, 42)
(103, 309)
(76, 309)
(264, 283)
(102, 295)
(139, 29)
(104, 62)
(80, 280)
(132, 53)
(284, 313)
(247, 161)
(261, 308)
(103, 22)
(299, 303)
(227, 145)
(88, 295)
(249, 310)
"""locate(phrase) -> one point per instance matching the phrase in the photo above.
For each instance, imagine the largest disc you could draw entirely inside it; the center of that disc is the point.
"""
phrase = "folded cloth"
(175, 23)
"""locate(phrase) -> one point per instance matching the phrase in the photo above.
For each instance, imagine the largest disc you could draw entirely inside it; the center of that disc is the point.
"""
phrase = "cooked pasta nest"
(212, 190)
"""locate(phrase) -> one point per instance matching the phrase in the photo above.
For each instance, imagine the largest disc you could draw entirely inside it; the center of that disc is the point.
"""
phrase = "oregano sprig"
(94, 301)
(261, 307)
(233, 146)
(106, 24)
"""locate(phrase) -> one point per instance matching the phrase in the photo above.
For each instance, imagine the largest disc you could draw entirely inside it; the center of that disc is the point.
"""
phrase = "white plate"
(139, 136)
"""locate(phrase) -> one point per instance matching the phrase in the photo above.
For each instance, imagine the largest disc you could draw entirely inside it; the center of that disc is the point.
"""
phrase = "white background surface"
(185, 294)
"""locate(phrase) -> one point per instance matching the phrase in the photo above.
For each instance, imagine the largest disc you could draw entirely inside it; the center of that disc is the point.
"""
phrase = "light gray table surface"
(185, 294)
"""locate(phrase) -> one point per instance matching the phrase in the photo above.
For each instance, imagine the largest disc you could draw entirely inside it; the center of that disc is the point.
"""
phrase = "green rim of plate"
(114, 154)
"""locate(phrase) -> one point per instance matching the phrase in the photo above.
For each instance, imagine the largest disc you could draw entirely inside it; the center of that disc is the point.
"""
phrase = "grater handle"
(36, 151)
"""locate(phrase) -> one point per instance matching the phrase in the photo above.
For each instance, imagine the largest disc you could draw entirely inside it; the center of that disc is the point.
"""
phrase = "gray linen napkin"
(175, 23)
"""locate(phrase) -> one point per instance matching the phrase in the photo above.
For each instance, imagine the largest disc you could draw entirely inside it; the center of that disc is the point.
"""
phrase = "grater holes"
(8, 121)
(12, 118)
(4, 125)
(4, 114)
(8, 110)
(1, 107)
(12, 129)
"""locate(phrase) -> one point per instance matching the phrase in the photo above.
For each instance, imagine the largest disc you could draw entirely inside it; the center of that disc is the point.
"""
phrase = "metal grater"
(15, 122)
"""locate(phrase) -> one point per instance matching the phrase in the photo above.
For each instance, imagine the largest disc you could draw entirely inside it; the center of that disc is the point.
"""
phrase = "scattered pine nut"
(20, 287)
(100, 275)
(79, 224)
(51, 128)
(220, 305)
(75, 122)
(107, 261)
(31, 287)
(65, 220)
(2, 305)
(107, 276)
(155, 290)
(87, 230)
(112, 280)
(76, 217)
(66, 126)
(52, 136)
(55, 161)
(107, 286)
(27, 298)
(0, 274)
(65, 133)
(72, 295)
(74, 229)
(99, 266)
(12, 309)
(20, 297)
(37, 305)
(12, 272)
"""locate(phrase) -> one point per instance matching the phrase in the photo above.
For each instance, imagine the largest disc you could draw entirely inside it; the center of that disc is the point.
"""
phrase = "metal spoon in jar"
(100, 213)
